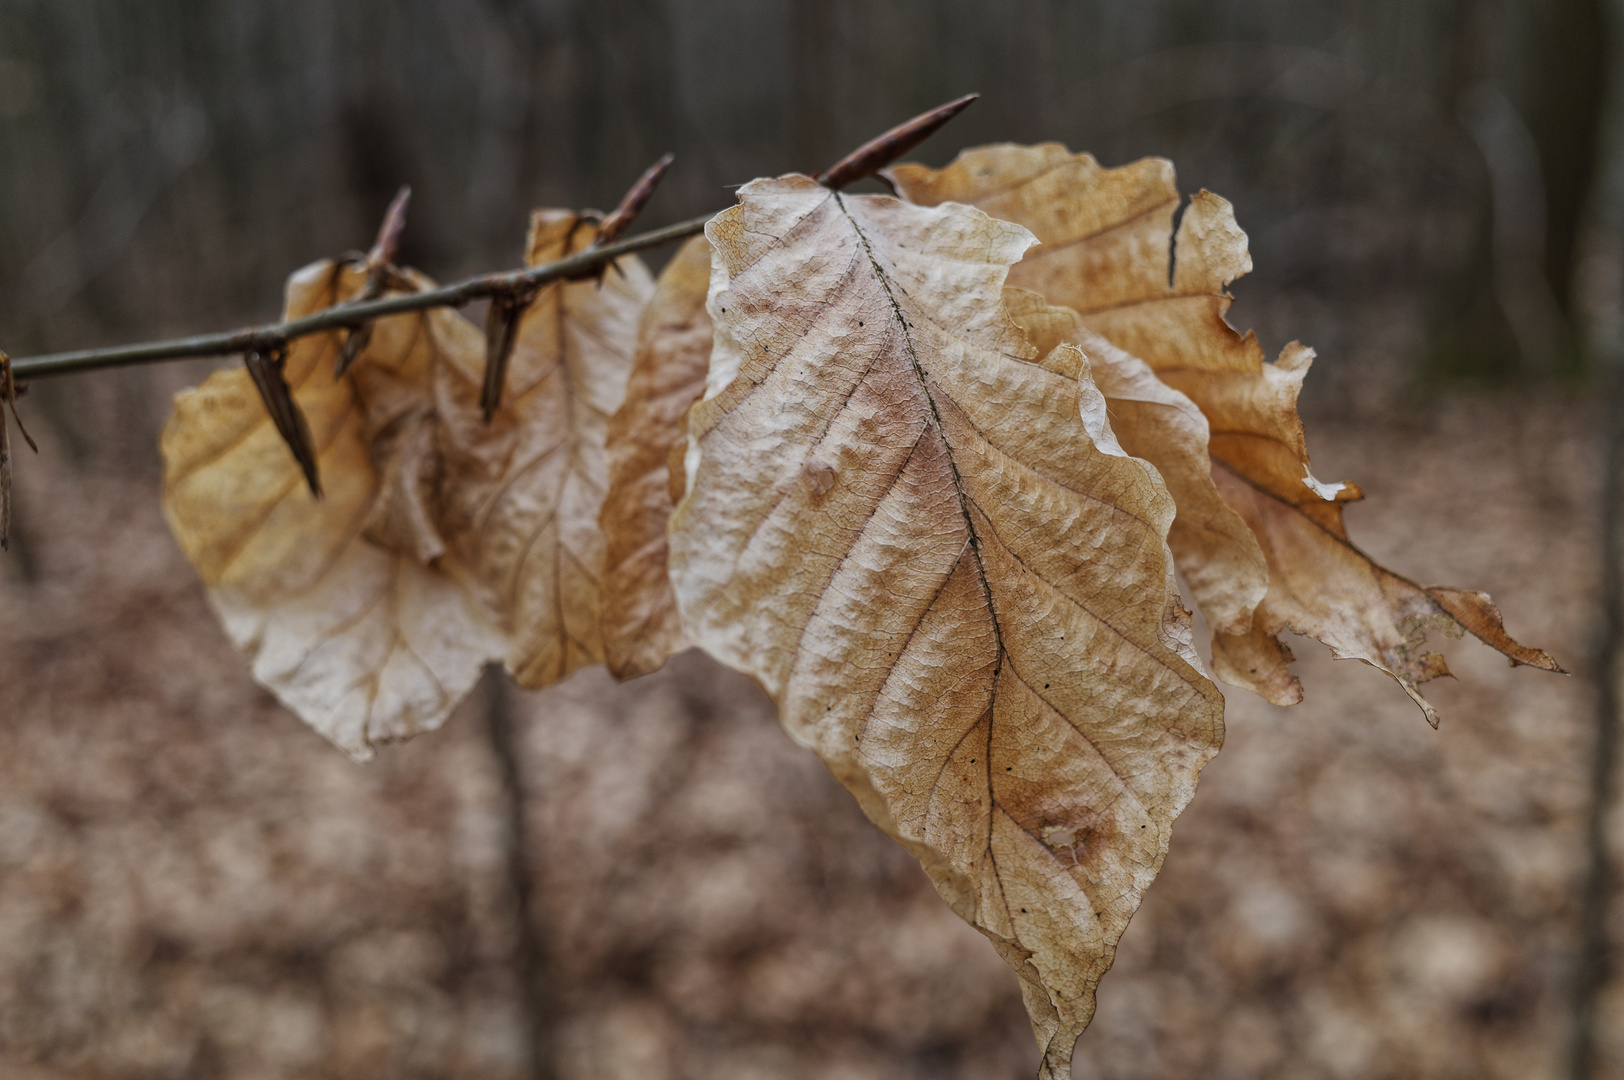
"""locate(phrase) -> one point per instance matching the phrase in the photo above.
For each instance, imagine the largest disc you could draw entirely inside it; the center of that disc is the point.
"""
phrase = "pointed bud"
(394, 223)
(266, 369)
(881, 151)
(501, 330)
(381, 275)
(351, 347)
(633, 202)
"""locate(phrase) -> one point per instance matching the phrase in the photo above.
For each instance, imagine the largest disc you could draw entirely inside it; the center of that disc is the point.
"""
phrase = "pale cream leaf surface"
(924, 542)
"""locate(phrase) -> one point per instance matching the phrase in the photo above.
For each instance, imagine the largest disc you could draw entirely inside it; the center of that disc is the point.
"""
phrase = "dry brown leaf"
(365, 644)
(518, 499)
(934, 556)
(641, 627)
(442, 542)
(1212, 547)
(1107, 239)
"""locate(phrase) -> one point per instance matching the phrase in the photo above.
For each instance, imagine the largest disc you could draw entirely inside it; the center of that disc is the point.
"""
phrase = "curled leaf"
(1109, 252)
(518, 498)
(934, 556)
(641, 627)
(364, 643)
(1212, 547)
(443, 542)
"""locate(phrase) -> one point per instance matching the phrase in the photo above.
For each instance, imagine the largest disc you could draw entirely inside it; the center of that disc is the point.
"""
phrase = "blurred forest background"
(651, 881)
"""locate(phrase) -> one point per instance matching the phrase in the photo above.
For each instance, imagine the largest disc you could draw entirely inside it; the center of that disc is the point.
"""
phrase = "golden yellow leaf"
(518, 499)
(365, 644)
(1108, 239)
(934, 556)
(641, 627)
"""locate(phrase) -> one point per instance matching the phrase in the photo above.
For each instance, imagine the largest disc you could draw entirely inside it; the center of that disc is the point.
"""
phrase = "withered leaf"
(1107, 238)
(641, 627)
(936, 559)
(443, 542)
(365, 644)
(518, 498)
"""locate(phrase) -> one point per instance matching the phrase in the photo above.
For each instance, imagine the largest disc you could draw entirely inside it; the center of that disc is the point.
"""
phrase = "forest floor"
(193, 885)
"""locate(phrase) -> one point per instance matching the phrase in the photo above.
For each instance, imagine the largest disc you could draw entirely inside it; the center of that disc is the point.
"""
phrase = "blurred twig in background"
(523, 851)
(1604, 325)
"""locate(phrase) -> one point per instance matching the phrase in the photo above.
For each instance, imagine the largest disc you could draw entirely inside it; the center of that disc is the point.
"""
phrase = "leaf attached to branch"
(364, 643)
(442, 543)
(518, 498)
(932, 553)
(1109, 252)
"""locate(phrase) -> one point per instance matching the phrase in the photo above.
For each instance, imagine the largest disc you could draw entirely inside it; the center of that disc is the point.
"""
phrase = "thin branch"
(507, 308)
(865, 160)
(278, 335)
(264, 348)
(1593, 964)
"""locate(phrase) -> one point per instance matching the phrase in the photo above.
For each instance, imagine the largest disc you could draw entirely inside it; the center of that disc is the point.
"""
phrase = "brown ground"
(192, 885)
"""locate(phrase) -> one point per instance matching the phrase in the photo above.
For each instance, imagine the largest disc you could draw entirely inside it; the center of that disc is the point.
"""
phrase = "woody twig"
(264, 348)
(872, 156)
(502, 318)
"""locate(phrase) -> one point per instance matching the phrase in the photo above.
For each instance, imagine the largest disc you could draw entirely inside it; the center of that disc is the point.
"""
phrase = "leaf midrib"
(941, 433)
(970, 530)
